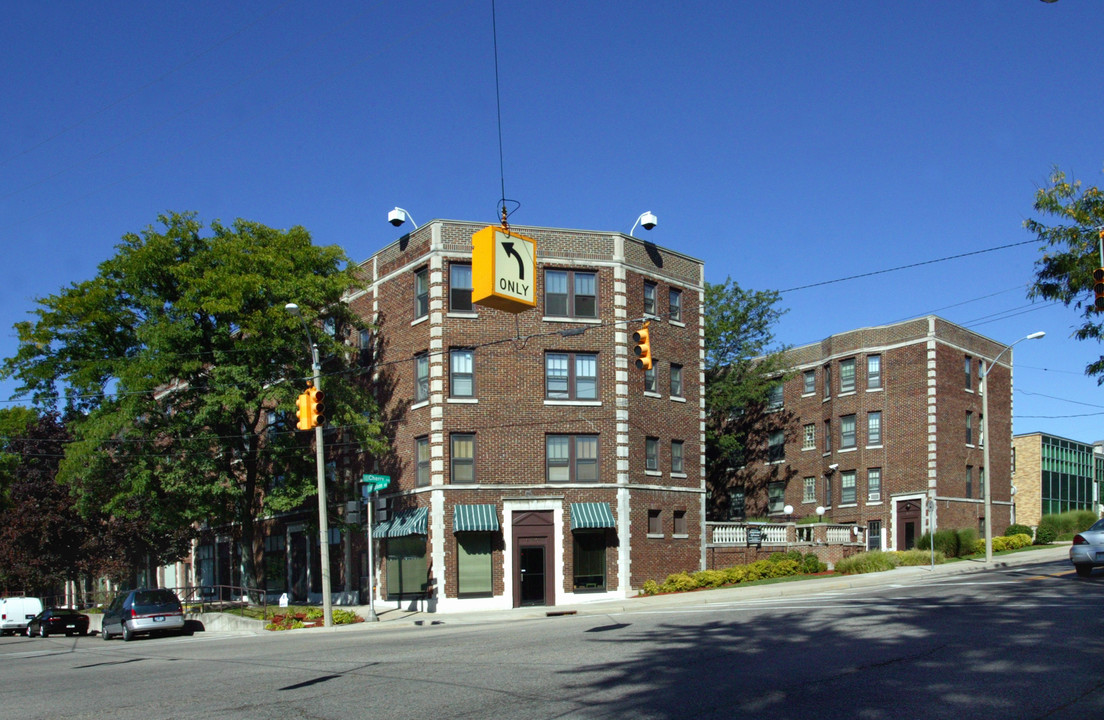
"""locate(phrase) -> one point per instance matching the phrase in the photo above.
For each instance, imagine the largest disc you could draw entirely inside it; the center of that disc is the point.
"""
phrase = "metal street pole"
(320, 468)
(986, 441)
(372, 617)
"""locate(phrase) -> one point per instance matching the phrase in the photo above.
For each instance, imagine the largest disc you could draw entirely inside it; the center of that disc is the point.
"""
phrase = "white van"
(16, 612)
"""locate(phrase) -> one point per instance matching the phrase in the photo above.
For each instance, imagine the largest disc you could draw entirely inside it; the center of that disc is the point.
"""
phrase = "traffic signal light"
(315, 408)
(1098, 287)
(643, 349)
(302, 411)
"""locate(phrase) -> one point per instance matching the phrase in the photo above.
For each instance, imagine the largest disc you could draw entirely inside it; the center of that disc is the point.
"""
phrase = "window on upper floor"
(827, 436)
(847, 487)
(776, 497)
(969, 481)
(421, 377)
(676, 380)
(676, 457)
(650, 379)
(571, 458)
(808, 436)
(460, 288)
(874, 484)
(847, 375)
(808, 490)
(808, 386)
(674, 305)
(655, 522)
(969, 373)
(873, 372)
(874, 427)
(847, 432)
(650, 292)
(775, 397)
(462, 455)
(776, 446)
(462, 373)
(651, 454)
(827, 381)
(421, 293)
(421, 461)
(570, 293)
(571, 376)
(679, 522)
(969, 428)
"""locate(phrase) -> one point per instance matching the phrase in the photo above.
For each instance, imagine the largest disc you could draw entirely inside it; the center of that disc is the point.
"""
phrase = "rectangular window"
(775, 397)
(674, 305)
(808, 490)
(676, 380)
(460, 288)
(421, 461)
(570, 293)
(981, 485)
(827, 381)
(571, 458)
(421, 293)
(827, 436)
(969, 428)
(737, 504)
(809, 382)
(776, 501)
(981, 429)
(649, 298)
(874, 484)
(874, 428)
(776, 448)
(680, 522)
(474, 564)
(461, 373)
(808, 439)
(874, 535)
(462, 454)
(589, 548)
(655, 522)
(650, 379)
(847, 488)
(873, 372)
(407, 572)
(847, 432)
(571, 376)
(969, 481)
(969, 373)
(421, 377)
(847, 375)
(651, 453)
(676, 456)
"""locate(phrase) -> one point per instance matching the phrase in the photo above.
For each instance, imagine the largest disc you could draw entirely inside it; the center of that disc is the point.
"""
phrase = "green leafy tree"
(742, 365)
(179, 367)
(1069, 229)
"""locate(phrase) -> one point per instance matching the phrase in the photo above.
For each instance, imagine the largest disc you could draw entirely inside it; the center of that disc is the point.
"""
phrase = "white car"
(1087, 550)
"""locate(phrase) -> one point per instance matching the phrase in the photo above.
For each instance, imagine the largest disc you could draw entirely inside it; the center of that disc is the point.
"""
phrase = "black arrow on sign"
(509, 248)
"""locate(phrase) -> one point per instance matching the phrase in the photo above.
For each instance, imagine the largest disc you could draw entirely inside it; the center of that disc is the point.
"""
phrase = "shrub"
(811, 564)
(918, 557)
(345, 617)
(678, 582)
(1045, 534)
(314, 614)
(967, 537)
(866, 562)
(650, 587)
(710, 578)
(1017, 529)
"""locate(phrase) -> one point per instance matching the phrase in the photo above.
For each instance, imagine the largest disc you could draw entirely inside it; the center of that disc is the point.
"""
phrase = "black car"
(143, 611)
(57, 621)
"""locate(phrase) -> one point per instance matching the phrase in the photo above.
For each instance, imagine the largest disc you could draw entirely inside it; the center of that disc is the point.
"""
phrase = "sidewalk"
(390, 616)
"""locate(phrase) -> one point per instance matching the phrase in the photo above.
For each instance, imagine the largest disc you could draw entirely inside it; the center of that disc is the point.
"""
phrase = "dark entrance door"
(299, 584)
(908, 524)
(532, 575)
(532, 543)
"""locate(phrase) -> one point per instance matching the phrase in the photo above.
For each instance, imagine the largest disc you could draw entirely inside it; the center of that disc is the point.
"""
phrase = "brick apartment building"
(887, 419)
(531, 462)
(1054, 474)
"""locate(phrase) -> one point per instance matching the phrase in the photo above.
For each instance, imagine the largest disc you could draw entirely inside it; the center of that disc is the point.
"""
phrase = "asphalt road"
(1024, 642)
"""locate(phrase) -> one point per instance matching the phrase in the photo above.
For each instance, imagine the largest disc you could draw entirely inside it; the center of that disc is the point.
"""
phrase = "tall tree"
(1071, 247)
(179, 366)
(743, 363)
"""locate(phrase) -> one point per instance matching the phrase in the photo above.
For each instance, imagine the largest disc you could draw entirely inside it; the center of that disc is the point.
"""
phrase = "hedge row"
(1004, 542)
(775, 566)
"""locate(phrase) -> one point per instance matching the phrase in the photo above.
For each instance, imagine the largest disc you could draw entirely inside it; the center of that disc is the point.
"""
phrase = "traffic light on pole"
(315, 408)
(302, 411)
(1098, 287)
(643, 349)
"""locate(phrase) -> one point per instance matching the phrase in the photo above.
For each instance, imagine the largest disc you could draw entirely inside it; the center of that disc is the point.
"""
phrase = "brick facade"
(920, 407)
(510, 414)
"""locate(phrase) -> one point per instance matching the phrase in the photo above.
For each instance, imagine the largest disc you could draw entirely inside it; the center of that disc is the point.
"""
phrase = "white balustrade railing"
(732, 533)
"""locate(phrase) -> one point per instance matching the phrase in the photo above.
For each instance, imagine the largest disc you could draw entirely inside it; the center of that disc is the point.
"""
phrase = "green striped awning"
(475, 518)
(591, 515)
(402, 523)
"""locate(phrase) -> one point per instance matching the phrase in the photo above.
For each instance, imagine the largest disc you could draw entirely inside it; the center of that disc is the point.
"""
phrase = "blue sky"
(784, 143)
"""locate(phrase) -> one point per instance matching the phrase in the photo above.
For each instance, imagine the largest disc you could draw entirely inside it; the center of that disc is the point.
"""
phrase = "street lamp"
(646, 220)
(398, 216)
(320, 467)
(986, 441)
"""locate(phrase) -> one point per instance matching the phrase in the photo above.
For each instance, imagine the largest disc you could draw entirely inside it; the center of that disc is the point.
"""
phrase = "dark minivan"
(143, 611)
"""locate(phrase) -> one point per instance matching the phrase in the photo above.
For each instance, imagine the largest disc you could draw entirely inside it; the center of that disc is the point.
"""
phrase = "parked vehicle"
(16, 612)
(143, 611)
(1087, 550)
(56, 621)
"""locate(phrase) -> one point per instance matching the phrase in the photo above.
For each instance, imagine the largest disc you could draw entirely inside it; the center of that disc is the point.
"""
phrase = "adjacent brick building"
(887, 419)
(1054, 474)
(531, 463)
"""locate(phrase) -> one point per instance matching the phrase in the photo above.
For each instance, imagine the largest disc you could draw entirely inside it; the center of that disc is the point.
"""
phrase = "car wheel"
(1084, 570)
(29, 633)
(42, 631)
(127, 634)
(104, 633)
